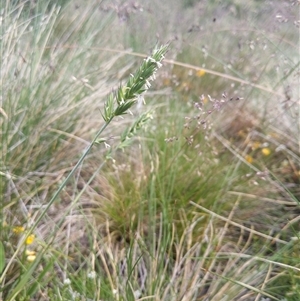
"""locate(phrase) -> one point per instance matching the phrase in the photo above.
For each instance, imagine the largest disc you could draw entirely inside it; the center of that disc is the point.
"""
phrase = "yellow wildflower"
(266, 151)
(30, 239)
(249, 159)
(31, 258)
(18, 229)
(31, 255)
(200, 73)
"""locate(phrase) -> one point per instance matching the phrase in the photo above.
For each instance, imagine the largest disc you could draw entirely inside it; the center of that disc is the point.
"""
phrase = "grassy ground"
(192, 195)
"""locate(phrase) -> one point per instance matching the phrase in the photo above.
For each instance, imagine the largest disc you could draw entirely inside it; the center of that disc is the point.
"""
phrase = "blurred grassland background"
(203, 202)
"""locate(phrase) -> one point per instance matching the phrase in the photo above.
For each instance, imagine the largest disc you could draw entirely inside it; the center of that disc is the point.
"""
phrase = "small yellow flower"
(249, 159)
(266, 151)
(30, 239)
(31, 258)
(200, 73)
(18, 229)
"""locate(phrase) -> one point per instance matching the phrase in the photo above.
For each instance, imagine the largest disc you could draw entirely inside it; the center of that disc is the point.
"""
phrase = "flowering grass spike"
(138, 83)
